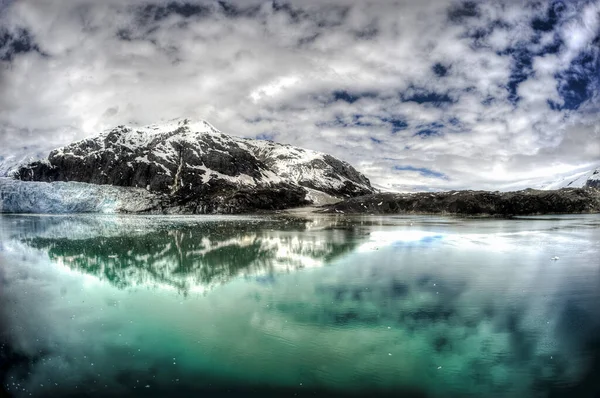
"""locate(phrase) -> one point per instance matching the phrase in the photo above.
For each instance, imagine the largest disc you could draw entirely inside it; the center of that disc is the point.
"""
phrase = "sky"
(417, 95)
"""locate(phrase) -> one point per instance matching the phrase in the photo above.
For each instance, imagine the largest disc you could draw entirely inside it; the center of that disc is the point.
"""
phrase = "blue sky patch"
(548, 22)
(425, 172)
(397, 124)
(14, 43)
(553, 47)
(360, 120)
(295, 14)
(454, 121)
(579, 82)
(440, 70)
(346, 96)
(460, 12)
(427, 133)
(429, 130)
(356, 120)
(522, 60)
(266, 136)
(428, 97)
(235, 10)
(158, 12)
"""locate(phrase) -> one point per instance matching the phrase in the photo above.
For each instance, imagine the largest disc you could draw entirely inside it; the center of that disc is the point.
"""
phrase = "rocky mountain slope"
(526, 202)
(593, 180)
(194, 168)
(9, 164)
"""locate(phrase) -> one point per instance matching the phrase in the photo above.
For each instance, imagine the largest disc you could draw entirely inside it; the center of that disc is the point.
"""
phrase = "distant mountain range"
(504, 204)
(589, 178)
(548, 197)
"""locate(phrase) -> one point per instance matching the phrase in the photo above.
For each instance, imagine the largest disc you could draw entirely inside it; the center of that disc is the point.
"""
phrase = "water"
(271, 306)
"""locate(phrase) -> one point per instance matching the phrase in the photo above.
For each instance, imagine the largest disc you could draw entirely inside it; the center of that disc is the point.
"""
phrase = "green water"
(274, 306)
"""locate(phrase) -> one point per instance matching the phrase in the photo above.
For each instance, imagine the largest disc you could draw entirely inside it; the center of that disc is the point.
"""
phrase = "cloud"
(486, 93)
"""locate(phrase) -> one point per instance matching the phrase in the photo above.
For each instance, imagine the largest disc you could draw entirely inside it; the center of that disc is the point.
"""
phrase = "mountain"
(526, 202)
(10, 164)
(593, 180)
(194, 168)
(590, 178)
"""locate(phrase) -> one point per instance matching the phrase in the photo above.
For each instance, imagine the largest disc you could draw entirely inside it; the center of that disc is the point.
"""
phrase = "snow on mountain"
(594, 179)
(197, 169)
(210, 150)
(170, 156)
(590, 178)
(10, 164)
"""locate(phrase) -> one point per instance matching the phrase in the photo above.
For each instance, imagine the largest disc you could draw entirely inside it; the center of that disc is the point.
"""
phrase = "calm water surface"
(263, 306)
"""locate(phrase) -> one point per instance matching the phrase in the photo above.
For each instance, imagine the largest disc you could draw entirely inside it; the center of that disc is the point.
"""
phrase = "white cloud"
(275, 72)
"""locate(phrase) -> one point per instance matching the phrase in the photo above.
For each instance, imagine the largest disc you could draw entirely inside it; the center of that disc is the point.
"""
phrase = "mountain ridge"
(587, 178)
(503, 204)
(199, 169)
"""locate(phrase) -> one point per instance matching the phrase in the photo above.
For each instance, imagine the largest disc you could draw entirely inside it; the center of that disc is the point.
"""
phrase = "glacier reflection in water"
(419, 306)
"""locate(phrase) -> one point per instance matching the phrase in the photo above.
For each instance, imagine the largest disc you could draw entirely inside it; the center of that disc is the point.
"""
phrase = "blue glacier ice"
(71, 197)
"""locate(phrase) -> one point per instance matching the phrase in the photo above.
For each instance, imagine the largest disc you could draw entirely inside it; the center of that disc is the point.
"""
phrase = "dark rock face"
(527, 202)
(108, 161)
(332, 168)
(222, 198)
(594, 180)
(199, 169)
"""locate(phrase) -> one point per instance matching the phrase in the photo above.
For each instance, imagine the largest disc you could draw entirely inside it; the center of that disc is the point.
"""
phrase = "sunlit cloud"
(462, 89)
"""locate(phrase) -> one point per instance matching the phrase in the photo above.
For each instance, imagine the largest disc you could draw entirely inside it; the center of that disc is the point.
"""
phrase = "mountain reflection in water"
(262, 306)
(193, 257)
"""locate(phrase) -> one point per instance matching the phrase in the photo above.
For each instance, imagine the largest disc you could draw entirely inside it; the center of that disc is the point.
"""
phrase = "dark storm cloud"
(490, 92)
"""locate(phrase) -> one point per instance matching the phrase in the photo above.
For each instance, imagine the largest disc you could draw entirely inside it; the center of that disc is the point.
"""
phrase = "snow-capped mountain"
(10, 164)
(594, 180)
(200, 169)
(590, 178)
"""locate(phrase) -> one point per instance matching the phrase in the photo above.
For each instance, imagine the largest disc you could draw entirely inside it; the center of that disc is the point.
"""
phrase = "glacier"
(72, 197)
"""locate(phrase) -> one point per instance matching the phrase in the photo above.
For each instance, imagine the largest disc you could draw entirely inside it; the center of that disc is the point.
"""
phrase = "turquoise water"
(273, 306)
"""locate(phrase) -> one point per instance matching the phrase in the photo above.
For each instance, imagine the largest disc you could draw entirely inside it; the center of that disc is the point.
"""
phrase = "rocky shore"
(525, 202)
